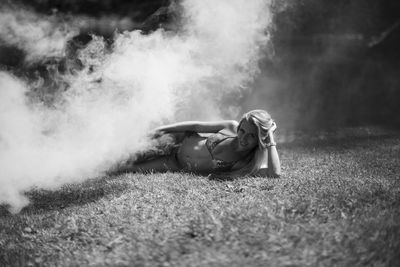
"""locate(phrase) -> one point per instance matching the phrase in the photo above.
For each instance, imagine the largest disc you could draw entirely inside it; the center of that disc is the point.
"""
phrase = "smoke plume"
(37, 36)
(122, 92)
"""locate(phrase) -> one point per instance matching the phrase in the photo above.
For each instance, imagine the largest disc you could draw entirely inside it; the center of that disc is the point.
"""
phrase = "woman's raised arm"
(199, 126)
(274, 164)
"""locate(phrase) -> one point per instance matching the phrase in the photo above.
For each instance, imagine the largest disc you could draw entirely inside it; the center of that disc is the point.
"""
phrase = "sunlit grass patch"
(336, 204)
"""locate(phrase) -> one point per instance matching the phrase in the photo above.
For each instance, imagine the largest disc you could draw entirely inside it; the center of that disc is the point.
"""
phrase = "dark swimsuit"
(220, 165)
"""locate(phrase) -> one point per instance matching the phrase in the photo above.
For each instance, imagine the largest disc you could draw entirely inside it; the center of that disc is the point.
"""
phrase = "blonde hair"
(262, 121)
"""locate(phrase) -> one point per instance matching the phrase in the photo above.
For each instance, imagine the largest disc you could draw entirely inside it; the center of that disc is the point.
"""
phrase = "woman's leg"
(160, 158)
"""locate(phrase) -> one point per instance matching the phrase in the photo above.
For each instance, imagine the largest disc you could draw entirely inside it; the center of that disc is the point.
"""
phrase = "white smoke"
(145, 80)
(38, 36)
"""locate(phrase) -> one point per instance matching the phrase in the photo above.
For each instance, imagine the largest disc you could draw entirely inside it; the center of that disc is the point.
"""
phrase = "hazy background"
(335, 63)
(329, 63)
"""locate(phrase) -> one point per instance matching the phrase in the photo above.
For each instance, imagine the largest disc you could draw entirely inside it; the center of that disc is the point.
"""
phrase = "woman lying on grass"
(222, 148)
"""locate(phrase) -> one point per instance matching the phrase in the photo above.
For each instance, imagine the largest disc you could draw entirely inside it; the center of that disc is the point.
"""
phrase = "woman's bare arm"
(274, 164)
(199, 126)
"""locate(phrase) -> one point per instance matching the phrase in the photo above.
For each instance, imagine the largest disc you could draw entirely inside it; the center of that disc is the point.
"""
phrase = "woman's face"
(247, 136)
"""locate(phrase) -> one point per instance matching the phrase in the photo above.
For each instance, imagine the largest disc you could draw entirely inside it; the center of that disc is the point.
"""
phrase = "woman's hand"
(270, 134)
(272, 129)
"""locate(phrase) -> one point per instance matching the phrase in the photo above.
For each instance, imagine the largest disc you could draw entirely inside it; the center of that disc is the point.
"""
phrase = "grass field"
(337, 204)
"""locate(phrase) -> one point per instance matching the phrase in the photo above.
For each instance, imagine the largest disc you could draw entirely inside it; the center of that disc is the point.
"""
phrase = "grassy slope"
(337, 204)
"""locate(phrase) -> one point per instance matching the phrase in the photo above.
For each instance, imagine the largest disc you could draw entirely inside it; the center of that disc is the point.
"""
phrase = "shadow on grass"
(72, 195)
(262, 173)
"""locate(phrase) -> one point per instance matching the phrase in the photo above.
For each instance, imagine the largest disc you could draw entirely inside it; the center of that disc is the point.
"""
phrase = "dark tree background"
(339, 61)
(331, 63)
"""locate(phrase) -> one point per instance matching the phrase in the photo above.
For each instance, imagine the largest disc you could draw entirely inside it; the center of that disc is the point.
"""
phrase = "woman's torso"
(205, 154)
